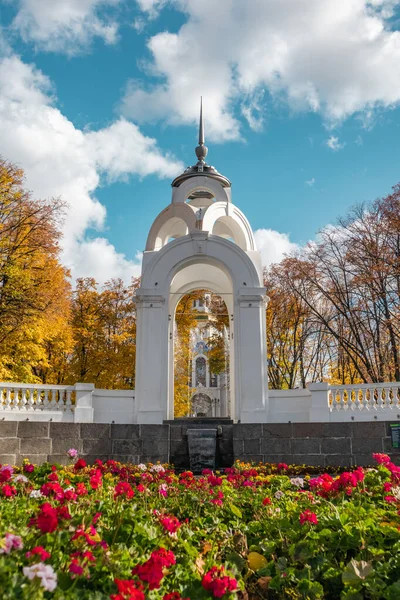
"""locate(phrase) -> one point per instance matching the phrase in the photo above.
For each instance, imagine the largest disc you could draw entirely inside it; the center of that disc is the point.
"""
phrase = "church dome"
(201, 167)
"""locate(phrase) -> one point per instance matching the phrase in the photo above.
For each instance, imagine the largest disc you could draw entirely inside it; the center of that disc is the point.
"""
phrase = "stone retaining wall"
(319, 444)
(316, 444)
(40, 442)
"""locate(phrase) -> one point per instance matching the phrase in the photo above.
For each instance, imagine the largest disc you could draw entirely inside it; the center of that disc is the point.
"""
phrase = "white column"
(83, 412)
(319, 412)
(152, 377)
(251, 375)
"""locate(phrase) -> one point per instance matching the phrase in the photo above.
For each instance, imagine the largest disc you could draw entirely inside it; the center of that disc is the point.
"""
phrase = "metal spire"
(201, 150)
(201, 125)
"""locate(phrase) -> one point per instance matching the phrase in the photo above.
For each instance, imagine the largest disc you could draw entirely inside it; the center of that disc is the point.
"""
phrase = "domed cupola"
(201, 168)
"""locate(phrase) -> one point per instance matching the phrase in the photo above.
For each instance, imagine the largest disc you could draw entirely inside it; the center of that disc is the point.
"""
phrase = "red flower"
(53, 477)
(128, 590)
(80, 562)
(123, 489)
(63, 512)
(174, 596)
(170, 523)
(8, 491)
(47, 519)
(80, 464)
(214, 480)
(5, 474)
(308, 517)
(75, 568)
(151, 572)
(38, 551)
(29, 468)
(81, 489)
(95, 480)
(267, 501)
(96, 518)
(282, 467)
(218, 583)
(166, 558)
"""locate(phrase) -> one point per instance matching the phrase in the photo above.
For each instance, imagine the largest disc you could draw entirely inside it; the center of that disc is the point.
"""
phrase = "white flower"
(396, 492)
(157, 469)
(142, 467)
(278, 495)
(297, 481)
(20, 479)
(36, 494)
(69, 489)
(45, 573)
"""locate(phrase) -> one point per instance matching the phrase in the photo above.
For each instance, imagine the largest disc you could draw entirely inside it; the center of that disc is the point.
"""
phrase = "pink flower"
(163, 490)
(381, 459)
(10, 542)
(390, 499)
(72, 453)
(308, 517)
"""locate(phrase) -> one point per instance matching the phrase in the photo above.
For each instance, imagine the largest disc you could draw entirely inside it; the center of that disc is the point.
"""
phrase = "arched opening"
(173, 229)
(201, 358)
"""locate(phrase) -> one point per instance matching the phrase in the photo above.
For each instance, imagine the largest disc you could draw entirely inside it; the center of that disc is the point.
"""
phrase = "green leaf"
(300, 552)
(235, 559)
(235, 510)
(393, 591)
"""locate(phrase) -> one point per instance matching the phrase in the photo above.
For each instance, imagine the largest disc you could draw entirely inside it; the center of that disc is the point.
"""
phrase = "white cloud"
(65, 25)
(273, 245)
(334, 144)
(359, 141)
(335, 58)
(101, 261)
(310, 182)
(151, 7)
(61, 160)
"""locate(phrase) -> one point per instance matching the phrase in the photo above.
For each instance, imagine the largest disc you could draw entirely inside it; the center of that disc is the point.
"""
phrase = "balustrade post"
(319, 411)
(83, 403)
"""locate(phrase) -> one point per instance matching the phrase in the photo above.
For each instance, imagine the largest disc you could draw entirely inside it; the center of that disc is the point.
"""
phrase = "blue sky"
(99, 104)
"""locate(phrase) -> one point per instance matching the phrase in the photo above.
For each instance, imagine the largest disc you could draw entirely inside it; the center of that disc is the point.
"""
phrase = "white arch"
(166, 222)
(200, 247)
(195, 184)
(229, 216)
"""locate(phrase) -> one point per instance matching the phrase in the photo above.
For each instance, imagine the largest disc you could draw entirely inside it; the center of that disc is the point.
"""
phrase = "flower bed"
(143, 532)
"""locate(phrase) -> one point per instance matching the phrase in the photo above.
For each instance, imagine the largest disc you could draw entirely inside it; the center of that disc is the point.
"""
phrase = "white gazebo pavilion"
(201, 241)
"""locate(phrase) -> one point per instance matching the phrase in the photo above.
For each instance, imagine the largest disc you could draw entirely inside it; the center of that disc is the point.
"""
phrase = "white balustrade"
(32, 398)
(83, 403)
(362, 397)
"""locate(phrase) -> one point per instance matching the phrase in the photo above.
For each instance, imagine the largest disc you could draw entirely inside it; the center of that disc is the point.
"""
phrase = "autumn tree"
(350, 281)
(34, 286)
(104, 328)
(298, 349)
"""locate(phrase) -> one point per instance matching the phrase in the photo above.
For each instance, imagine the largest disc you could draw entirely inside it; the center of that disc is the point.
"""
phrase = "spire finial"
(201, 150)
